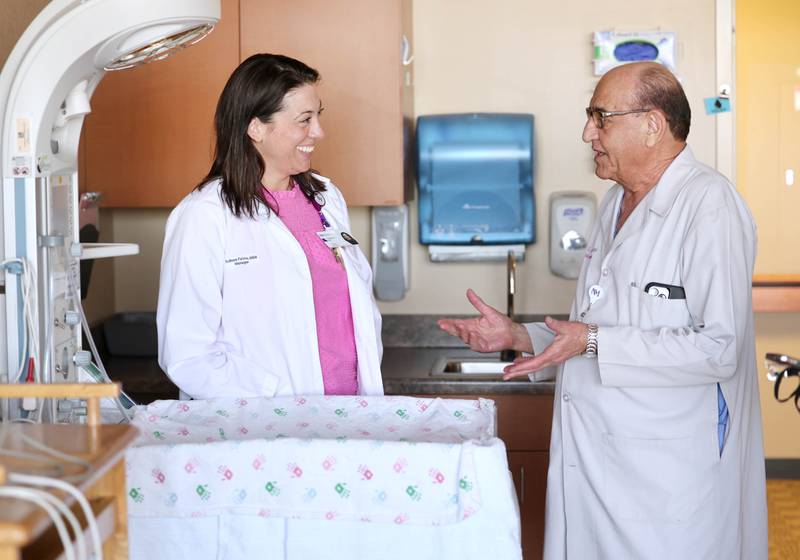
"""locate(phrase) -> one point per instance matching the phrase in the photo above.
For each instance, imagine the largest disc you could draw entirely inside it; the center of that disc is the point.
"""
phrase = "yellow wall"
(778, 333)
(767, 143)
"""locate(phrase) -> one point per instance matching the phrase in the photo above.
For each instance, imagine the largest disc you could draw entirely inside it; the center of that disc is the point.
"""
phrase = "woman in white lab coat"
(262, 292)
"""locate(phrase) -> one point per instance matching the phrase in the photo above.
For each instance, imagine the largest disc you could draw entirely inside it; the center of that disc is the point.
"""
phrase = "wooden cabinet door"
(523, 421)
(149, 138)
(529, 471)
(356, 47)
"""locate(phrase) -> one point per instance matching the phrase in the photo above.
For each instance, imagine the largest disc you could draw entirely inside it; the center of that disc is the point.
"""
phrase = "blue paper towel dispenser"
(475, 178)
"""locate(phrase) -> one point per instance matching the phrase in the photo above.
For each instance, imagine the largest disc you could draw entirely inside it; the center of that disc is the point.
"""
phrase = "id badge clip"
(335, 239)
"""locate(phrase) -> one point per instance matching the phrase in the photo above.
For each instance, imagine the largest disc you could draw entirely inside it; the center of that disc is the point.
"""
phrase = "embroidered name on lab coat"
(241, 260)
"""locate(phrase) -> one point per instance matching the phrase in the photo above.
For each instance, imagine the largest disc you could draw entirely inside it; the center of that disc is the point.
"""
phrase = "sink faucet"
(511, 268)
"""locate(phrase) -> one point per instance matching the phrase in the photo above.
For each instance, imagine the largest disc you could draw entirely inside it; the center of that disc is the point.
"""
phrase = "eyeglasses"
(598, 115)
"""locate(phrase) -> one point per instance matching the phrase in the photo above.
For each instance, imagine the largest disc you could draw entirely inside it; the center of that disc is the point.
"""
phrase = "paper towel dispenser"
(475, 178)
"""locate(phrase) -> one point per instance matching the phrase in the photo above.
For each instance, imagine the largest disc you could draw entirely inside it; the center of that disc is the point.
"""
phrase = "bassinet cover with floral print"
(400, 460)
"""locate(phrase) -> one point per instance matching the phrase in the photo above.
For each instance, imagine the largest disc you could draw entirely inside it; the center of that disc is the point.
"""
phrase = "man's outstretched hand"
(492, 331)
(570, 341)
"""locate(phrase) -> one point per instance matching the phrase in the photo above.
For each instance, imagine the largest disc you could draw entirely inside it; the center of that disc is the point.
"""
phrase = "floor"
(141, 378)
(783, 502)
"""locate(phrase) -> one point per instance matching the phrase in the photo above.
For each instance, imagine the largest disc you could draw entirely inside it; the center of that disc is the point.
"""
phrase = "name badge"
(595, 292)
(335, 238)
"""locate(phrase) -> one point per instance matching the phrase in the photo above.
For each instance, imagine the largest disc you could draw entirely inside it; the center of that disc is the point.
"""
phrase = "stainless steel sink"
(476, 369)
(468, 367)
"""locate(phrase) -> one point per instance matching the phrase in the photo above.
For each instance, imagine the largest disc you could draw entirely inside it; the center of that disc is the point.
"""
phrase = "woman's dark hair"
(255, 89)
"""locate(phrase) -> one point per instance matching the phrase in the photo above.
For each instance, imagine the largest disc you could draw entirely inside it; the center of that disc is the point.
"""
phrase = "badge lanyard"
(334, 238)
(337, 252)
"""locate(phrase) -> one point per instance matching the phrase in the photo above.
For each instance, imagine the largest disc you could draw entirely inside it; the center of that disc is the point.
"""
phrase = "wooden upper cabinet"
(365, 89)
(149, 137)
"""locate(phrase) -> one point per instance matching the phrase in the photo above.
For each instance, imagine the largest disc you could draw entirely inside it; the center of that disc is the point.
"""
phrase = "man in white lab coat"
(656, 449)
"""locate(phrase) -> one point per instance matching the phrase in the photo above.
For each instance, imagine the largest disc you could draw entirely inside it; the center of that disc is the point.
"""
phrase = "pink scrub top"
(335, 334)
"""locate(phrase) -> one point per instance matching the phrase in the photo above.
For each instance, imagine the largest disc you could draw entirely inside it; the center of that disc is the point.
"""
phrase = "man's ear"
(657, 126)
(256, 130)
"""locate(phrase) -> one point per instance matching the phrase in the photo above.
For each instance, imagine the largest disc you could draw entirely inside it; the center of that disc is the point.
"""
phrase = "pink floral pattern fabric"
(399, 460)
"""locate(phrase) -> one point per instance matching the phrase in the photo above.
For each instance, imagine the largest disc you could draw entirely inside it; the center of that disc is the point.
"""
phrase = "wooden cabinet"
(356, 47)
(523, 423)
(149, 138)
(529, 471)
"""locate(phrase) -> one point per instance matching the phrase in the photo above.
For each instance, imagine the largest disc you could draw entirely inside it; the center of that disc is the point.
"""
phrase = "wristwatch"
(591, 341)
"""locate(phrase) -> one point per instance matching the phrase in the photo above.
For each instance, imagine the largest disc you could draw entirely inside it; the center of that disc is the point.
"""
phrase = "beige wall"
(527, 57)
(535, 57)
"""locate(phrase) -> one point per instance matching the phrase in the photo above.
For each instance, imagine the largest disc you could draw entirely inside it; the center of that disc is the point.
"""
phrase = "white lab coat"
(635, 470)
(236, 308)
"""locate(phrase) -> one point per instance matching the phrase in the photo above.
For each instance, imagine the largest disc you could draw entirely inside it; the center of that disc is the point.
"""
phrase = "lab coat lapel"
(607, 218)
(633, 225)
(659, 200)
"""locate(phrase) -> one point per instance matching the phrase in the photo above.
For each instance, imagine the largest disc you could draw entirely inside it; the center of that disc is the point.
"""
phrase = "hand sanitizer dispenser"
(571, 218)
(390, 252)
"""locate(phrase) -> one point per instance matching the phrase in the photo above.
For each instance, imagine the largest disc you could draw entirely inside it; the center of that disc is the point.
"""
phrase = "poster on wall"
(613, 48)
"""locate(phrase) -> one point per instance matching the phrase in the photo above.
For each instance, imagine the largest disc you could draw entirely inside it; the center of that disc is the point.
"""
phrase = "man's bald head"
(658, 88)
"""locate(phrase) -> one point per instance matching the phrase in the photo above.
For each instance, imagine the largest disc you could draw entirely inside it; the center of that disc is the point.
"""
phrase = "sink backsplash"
(421, 331)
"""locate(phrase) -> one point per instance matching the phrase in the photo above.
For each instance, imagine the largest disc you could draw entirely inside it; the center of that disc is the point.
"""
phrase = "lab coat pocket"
(657, 312)
(658, 480)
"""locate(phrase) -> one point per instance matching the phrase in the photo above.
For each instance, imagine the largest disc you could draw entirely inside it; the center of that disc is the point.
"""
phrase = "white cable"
(24, 355)
(85, 323)
(55, 452)
(30, 344)
(33, 480)
(80, 542)
(94, 531)
(34, 496)
(85, 465)
(57, 470)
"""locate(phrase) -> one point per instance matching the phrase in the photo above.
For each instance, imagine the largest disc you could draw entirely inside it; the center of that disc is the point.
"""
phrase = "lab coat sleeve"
(541, 336)
(190, 310)
(716, 270)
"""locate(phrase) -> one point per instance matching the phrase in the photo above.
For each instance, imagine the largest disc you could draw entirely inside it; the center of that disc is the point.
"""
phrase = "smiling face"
(287, 141)
(619, 147)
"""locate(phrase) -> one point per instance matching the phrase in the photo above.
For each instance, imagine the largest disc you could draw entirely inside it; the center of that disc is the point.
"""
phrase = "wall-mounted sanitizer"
(571, 218)
(475, 177)
(390, 252)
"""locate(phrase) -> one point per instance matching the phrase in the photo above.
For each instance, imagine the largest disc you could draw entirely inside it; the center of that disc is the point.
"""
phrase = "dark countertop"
(412, 344)
(407, 371)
